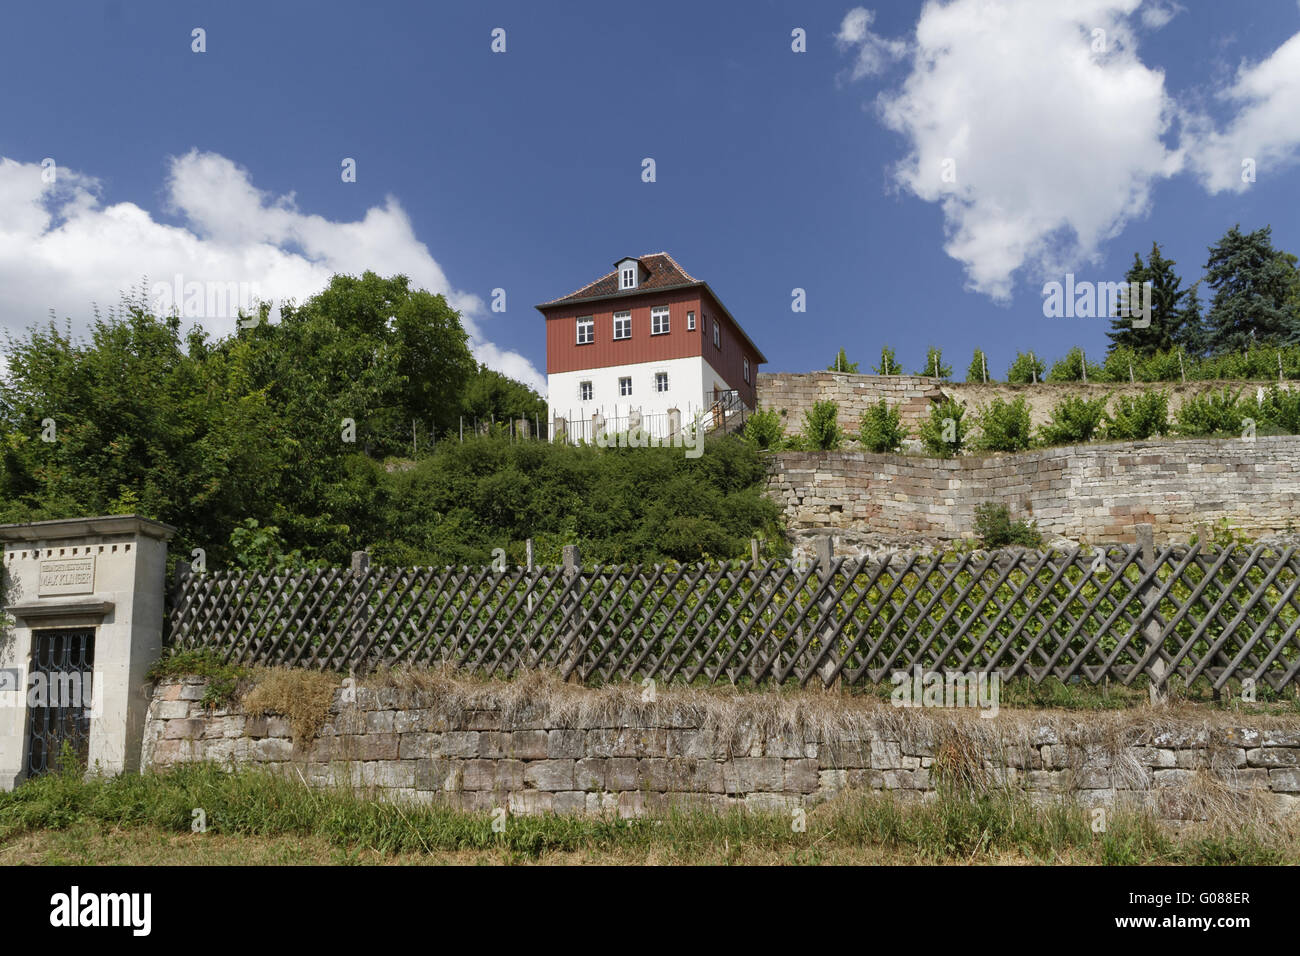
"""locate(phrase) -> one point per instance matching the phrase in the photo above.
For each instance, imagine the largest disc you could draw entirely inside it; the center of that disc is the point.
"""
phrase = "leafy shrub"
(1070, 368)
(1074, 420)
(1281, 409)
(995, 528)
(977, 371)
(821, 431)
(764, 428)
(1138, 417)
(881, 429)
(1004, 426)
(888, 364)
(842, 364)
(934, 364)
(1213, 413)
(944, 433)
(1025, 369)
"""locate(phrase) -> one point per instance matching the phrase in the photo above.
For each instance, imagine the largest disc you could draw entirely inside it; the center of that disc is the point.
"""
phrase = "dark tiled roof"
(664, 273)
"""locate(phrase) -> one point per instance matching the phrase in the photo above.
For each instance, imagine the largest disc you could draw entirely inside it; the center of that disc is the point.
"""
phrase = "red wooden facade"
(564, 354)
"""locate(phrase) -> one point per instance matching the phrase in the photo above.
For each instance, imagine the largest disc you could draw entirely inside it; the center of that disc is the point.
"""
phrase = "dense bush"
(1074, 420)
(934, 366)
(1138, 417)
(1025, 369)
(978, 371)
(1004, 426)
(881, 429)
(995, 528)
(888, 363)
(821, 430)
(764, 428)
(1212, 413)
(1281, 409)
(1070, 368)
(944, 432)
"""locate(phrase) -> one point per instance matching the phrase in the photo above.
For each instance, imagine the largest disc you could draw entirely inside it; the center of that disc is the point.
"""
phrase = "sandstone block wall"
(1086, 492)
(794, 393)
(490, 750)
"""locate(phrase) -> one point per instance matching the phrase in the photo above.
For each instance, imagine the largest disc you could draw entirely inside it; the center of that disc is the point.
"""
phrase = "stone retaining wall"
(1085, 492)
(792, 394)
(609, 752)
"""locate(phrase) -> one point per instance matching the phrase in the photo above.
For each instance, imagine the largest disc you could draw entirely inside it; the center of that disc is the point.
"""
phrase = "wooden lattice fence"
(1220, 615)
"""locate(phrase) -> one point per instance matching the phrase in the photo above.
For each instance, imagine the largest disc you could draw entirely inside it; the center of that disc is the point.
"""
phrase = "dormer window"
(629, 273)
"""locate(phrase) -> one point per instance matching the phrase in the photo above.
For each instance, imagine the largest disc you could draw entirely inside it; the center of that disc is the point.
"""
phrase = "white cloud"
(874, 52)
(1040, 132)
(1265, 128)
(1049, 131)
(61, 248)
(1156, 14)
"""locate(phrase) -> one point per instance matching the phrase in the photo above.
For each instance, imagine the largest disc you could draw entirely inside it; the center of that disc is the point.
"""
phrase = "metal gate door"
(59, 693)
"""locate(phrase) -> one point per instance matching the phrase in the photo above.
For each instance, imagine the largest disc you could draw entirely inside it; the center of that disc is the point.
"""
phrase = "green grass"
(223, 679)
(72, 814)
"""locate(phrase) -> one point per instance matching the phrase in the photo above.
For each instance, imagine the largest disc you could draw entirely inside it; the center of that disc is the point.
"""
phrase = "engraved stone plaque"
(67, 576)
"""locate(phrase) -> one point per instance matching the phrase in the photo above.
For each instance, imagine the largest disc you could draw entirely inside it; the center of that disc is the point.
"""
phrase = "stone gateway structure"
(83, 617)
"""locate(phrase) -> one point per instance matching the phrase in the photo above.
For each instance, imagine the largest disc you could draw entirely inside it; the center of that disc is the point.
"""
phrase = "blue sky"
(774, 169)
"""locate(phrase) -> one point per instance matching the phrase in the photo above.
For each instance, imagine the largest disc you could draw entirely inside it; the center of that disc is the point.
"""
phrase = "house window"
(629, 279)
(586, 331)
(690, 321)
(584, 391)
(717, 334)
(622, 325)
(747, 369)
(659, 320)
(661, 381)
(625, 386)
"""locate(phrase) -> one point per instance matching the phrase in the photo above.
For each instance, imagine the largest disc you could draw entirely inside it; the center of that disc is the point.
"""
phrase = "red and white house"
(646, 338)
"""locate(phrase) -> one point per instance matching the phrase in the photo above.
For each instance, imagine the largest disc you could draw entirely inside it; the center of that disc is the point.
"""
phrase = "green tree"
(881, 428)
(888, 364)
(1168, 306)
(1026, 368)
(977, 371)
(490, 396)
(1253, 283)
(1074, 420)
(763, 429)
(934, 364)
(1070, 368)
(821, 430)
(842, 364)
(944, 432)
(1004, 426)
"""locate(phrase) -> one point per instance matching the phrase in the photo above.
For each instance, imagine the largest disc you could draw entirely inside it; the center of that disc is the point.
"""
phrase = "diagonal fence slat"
(1222, 616)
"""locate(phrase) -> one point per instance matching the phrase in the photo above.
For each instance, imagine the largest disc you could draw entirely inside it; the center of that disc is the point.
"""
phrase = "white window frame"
(625, 386)
(589, 323)
(622, 317)
(690, 321)
(628, 279)
(747, 368)
(717, 334)
(661, 376)
(660, 320)
(585, 391)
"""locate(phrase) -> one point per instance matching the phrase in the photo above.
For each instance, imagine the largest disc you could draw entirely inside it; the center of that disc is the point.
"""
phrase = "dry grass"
(303, 696)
